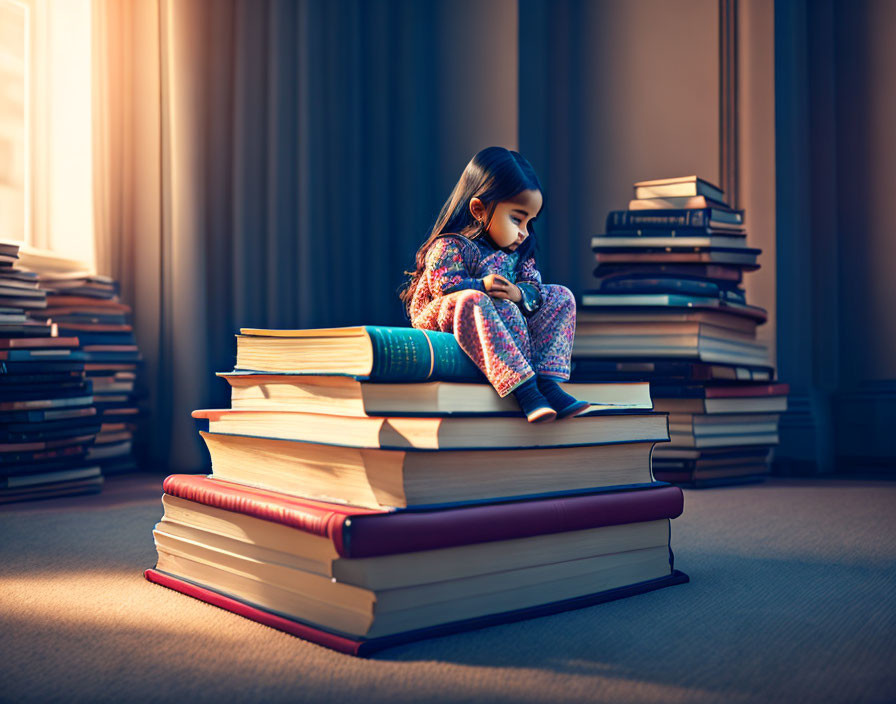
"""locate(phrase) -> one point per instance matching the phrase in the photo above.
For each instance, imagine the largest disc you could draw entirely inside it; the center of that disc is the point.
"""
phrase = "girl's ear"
(477, 208)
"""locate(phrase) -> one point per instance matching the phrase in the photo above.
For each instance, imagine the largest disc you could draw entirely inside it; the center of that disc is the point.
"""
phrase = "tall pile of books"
(368, 488)
(87, 306)
(48, 422)
(669, 308)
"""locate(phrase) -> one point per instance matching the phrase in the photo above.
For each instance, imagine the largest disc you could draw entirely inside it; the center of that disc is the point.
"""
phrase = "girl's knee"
(559, 295)
(473, 297)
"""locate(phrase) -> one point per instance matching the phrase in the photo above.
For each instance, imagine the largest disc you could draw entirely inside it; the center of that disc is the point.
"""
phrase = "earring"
(480, 231)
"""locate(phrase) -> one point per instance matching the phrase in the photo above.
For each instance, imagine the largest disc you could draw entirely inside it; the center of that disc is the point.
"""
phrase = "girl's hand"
(498, 287)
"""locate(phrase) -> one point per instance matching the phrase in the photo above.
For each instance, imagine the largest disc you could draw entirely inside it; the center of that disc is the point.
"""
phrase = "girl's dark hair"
(493, 175)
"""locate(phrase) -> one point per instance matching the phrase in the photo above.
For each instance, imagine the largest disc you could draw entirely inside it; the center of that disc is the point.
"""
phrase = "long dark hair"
(493, 175)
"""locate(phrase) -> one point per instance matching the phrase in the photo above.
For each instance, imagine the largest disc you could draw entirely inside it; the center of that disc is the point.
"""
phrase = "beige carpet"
(792, 599)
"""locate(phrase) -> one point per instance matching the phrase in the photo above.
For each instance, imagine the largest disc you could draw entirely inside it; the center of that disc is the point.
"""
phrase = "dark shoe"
(533, 403)
(566, 406)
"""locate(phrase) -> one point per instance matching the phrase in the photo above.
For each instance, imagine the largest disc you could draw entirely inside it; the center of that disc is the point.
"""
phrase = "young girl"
(476, 277)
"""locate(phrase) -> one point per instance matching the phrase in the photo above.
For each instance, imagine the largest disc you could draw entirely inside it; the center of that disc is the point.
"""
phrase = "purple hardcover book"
(362, 532)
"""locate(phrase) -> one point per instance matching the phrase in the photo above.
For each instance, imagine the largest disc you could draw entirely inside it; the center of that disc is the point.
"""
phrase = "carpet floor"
(792, 599)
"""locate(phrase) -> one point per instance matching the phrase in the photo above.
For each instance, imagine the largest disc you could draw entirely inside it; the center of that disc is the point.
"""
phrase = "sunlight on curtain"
(15, 21)
(68, 179)
(46, 162)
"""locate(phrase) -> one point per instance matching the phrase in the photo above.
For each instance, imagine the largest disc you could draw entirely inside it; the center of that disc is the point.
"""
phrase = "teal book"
(370, 352)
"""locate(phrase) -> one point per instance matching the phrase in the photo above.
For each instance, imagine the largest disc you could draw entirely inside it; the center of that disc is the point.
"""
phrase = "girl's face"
(509, 223)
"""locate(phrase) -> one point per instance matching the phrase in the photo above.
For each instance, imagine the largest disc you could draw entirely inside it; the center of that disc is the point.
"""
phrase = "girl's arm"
(529, 274)
(529, 284)
(446, 268)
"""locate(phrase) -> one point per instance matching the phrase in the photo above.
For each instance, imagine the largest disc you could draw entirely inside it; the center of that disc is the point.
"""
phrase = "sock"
(560, 401)
(533, 403)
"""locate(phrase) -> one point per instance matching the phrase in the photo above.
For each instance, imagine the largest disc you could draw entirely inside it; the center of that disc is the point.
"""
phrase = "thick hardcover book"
(425, 433)
(28, 432)
(720, 209)
(40, 415)
(43, 355)
(87, 320)
(768, 398)
(599, 300)
(677, 186)
(741, 257)
(13, 274)
(79, 302)
(91, 485)
(346, 396)
(37, 342)
(726, 391)
(357, 532)
(372, 352)
(8, 381)
(590, 321)
(19, 463)
(20, 302)
(720, 273)
(702, 218)
(14, 392)
(417, 478)
(37, 479)
(39, 367)
(670, 284)
(38, 445)
(62, 401)
(588, 369)
(89, 337)
(17, 329)
(611, 242)
(363, 647)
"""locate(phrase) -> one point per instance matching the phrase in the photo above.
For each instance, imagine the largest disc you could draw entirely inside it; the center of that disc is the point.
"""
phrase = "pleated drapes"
(270, 163)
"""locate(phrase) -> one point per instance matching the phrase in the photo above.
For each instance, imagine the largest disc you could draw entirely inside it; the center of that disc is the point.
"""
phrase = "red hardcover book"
(272, 596)
(727, 398)
(747, 390)
(75, 303)
(361, 532)
(37, 342)
(669, 390)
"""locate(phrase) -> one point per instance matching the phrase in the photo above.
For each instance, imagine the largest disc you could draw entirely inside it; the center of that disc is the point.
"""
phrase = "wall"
(477, 80)
(756, 154)
(613, 92)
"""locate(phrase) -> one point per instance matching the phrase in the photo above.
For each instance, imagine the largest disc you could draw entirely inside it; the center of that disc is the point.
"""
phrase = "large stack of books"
(87, 306)
(669, 308)
(48, 422)
(368, 488)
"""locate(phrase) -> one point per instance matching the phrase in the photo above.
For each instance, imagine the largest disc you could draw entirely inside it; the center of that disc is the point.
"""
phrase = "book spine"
(254, 613)
(374, 535)
(412, 355)
(752, 391)
(101, 338)
(620, 220)
(365, 647)
(686, 286)
(358, 532)
(312, 517)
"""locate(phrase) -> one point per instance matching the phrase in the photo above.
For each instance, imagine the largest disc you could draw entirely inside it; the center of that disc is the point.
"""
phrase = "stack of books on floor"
(87, 306)
(48, 422)
(369, 488)
(669, 308)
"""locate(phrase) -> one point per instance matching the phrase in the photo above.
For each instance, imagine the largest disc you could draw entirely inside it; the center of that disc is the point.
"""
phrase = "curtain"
(275, 164)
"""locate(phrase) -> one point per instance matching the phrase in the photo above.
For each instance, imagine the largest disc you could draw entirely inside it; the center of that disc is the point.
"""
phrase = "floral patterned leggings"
(508, 347)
